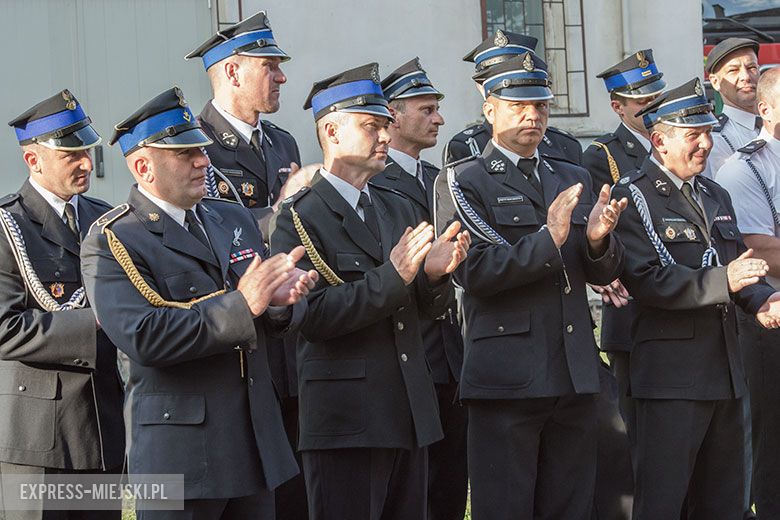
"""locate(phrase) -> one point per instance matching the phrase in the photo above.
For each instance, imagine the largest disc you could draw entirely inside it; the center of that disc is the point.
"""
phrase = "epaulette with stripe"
(296, 196)
(753, 146)
(220, 199)
(108, 218)
(722, 120)
(461, 161)
(11, 197)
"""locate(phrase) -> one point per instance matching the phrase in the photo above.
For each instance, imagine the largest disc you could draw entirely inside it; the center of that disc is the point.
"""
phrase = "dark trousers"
(39, 511)
(447, 468)
(761, 352)
(366, 483)
(291, 496)
(259, 506)
(619, 362)
(614, 473)
(532, 458)
(689, 448)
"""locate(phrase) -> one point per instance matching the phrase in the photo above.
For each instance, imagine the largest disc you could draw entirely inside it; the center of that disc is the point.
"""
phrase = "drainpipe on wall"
(625, 14)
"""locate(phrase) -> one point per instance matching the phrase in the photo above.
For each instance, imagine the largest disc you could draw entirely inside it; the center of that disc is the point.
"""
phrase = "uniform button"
(400, 325)
(585, 218)
(357, 263)
(77, 361)
(404, 358)
(500, 328)
(251, 381)
(166, 416)
(566, 290)
(731, 233)
(57, 274)
(227, 284)
(547, 264)
(193, 290)
(515, 219)
(569, 328)
(22, 388)
(401, 309)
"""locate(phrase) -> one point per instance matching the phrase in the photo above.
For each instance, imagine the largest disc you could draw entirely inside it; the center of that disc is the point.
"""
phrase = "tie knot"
(364, 201)
(527, 166)
(255, 139)
(70, 211)
(687, 189)
(190, 218)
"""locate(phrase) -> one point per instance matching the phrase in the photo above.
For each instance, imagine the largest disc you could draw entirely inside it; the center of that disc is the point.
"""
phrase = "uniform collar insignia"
(497, 165)
(662, 186)
(468, 131)
(229, 139)
(154, 217)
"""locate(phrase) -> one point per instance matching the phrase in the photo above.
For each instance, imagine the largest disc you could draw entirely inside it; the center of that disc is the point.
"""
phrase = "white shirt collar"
(739, 116)
(175, 212)
(405, 161)
(244, 130)
(512, 156)
(674, 178)
(350, 193)
(644, 141)
(57, 204)
(771, 141)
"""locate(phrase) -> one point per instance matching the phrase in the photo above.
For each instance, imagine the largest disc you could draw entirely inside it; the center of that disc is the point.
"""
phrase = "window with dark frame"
(558, 26)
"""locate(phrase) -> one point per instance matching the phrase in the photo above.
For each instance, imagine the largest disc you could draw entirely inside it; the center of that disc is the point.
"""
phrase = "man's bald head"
(767, 90)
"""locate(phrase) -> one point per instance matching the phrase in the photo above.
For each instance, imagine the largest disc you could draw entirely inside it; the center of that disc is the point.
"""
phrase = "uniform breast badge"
(223, 188)
(247, 189)
(57, 290)
(670, 233)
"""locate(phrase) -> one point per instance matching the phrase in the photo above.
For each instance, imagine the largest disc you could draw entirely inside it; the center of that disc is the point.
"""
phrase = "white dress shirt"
(739, 130)
(407, 163)
(350, 193)
(57, 204)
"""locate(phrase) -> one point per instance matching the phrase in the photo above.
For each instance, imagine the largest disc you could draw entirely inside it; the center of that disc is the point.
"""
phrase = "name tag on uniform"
(510, 200)
(231, 172)
(723, 218)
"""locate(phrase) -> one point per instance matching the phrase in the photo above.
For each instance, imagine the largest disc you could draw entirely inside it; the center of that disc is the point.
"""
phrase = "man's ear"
(33, 160)
(489, 111)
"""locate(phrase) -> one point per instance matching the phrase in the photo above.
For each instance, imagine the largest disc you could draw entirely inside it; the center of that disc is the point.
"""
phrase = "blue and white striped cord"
(31, 280)
(476, 225)
(764, 189)
(212, 173)
(708, 259)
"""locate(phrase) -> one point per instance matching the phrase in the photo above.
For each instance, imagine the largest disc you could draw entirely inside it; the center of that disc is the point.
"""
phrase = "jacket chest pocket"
(189, 285)
(353, 265)
(514, 221)
(728, 238)
(51, 270)
(678, 231)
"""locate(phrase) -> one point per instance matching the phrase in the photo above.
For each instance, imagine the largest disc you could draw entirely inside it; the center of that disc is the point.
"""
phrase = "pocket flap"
(189, 285)
(56, 270)
(668, 326)
(347, 262)
(493, 325)
(324, 369)
(515, 215)
(170, 408)
(580, 214)
(727, 230)
(27, 382)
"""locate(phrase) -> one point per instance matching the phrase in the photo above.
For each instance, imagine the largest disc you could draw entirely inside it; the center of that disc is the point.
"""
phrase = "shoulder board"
(468, 132)
(604, 139)
(271, 125)
(722, 120)
(558, 158)
(220, 199)
(426, 164)
(11, 197)
(753, 146)
(108, 218)
(560, 132)
(630, 177)
(386, 188)
(98, 202)
(292, 199)
(461, 161)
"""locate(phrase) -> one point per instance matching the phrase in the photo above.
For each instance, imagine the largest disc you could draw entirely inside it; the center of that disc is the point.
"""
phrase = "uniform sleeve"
(66, 338)
(160, 336)
(752, 209)
(595, 161)
(338, 310)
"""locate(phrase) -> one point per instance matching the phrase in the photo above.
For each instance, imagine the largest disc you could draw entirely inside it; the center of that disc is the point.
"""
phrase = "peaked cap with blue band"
(409, 80)
(58, 122)
(635, 77)
(250, 37)
(164, 122)
(521, 78)
(502, 46)
(684, 106)
(355, 90)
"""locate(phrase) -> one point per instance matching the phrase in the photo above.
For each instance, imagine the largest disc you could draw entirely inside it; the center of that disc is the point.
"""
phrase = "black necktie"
(687, 191)
(369, 215)
(256, 143)
(193, 226)
(759, 123)
(70, 217)
(528, 167)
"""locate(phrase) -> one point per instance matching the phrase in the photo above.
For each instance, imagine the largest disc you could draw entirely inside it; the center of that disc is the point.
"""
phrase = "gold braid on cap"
(614, 171)
(319, 264)
(123, 258)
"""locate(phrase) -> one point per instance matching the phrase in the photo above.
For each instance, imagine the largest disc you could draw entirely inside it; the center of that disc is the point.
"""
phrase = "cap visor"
(649, 89)
(82, 139)
(527, 93)
(375, 110)
(692, 120)
(267, 52)
(422, 91)
(188, 139)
